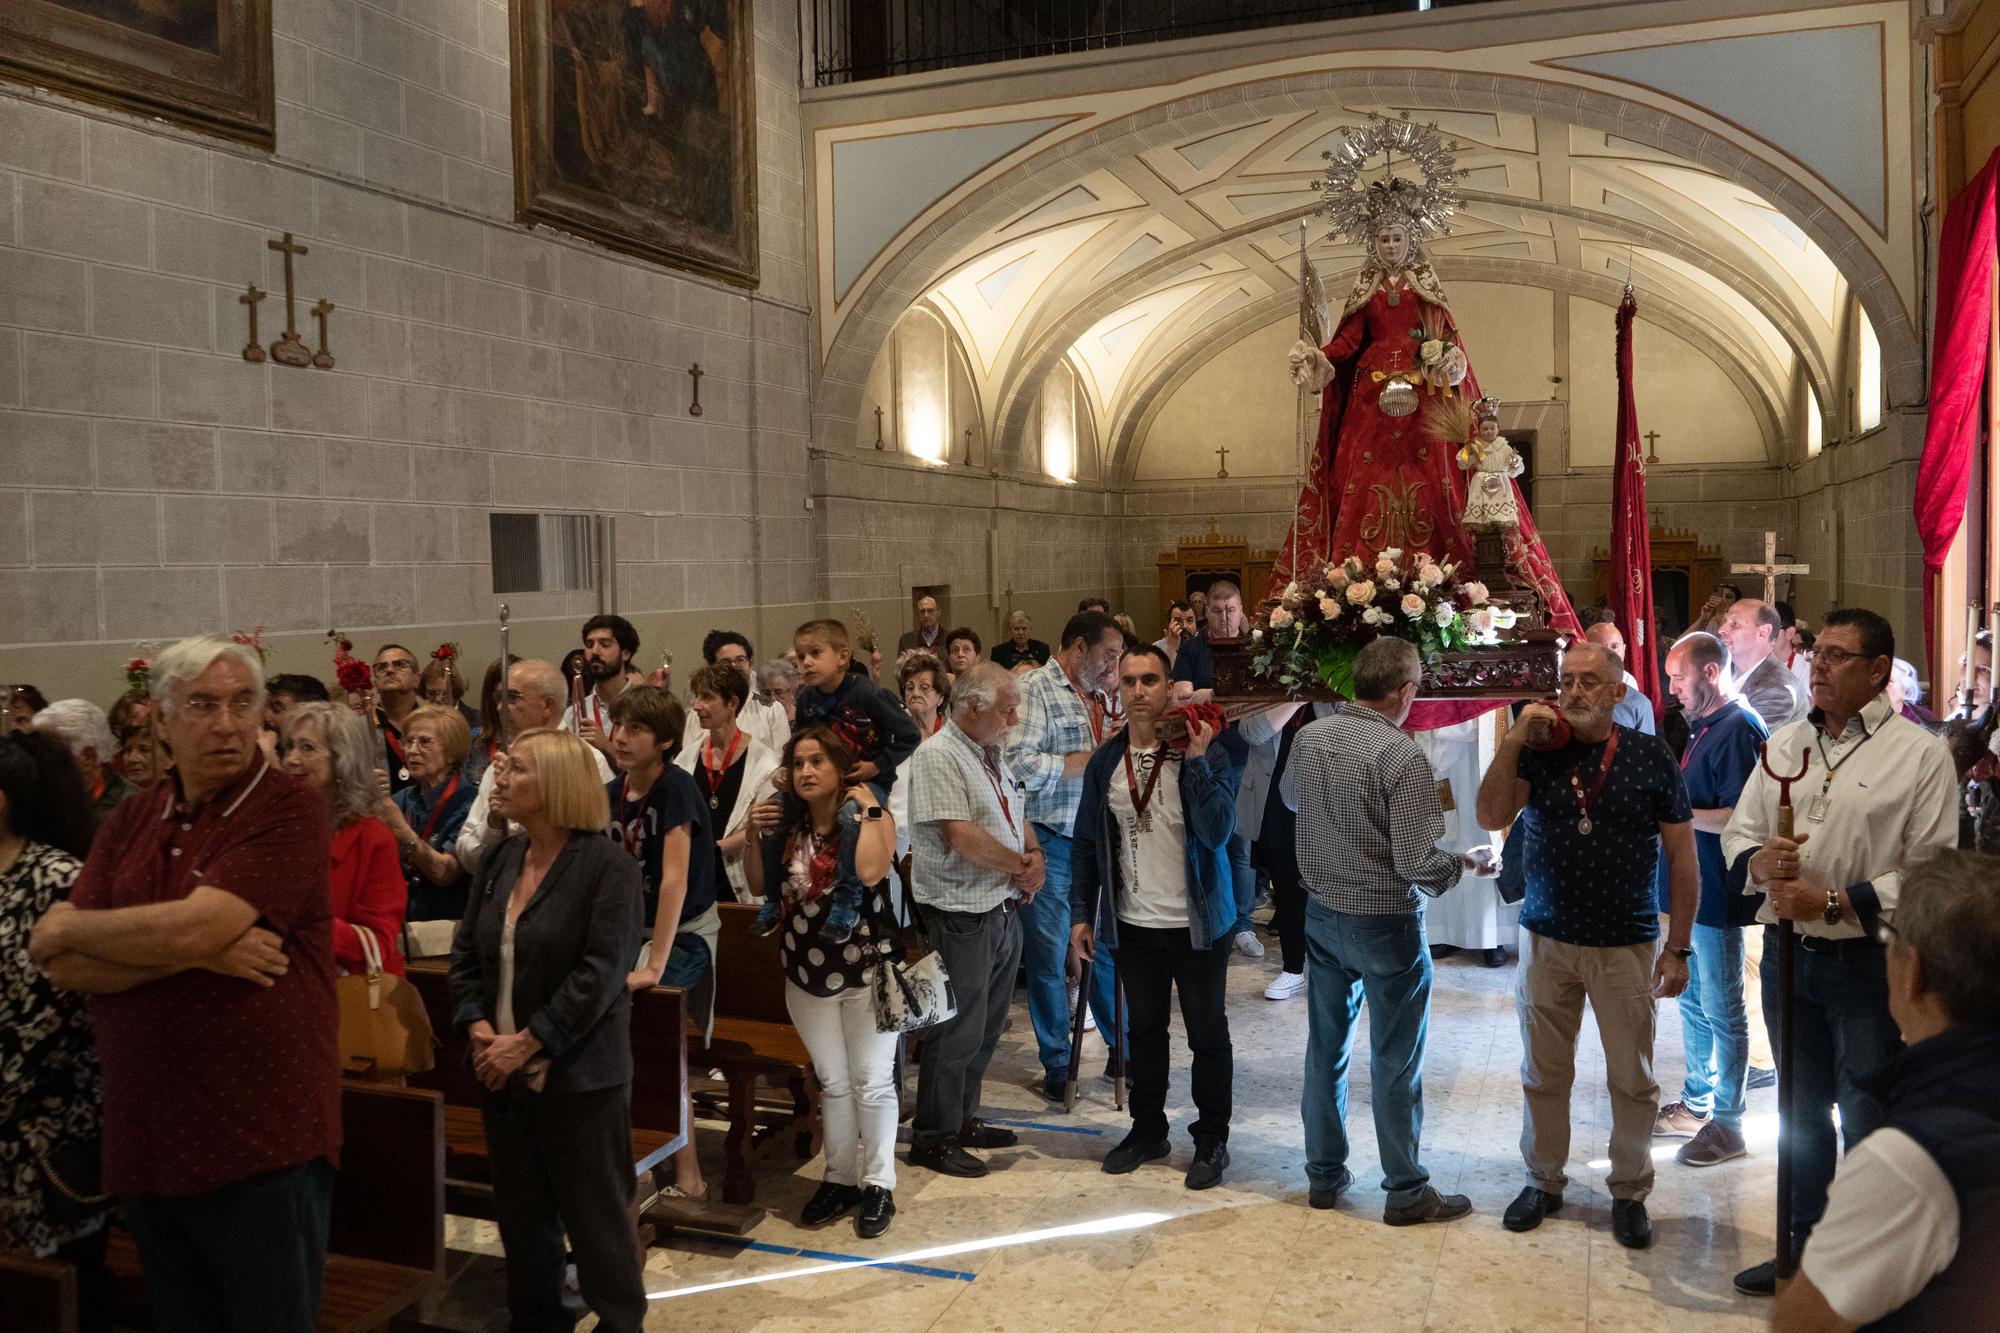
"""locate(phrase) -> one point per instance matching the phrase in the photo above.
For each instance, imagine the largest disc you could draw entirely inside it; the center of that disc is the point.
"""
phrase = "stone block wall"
(153, 483)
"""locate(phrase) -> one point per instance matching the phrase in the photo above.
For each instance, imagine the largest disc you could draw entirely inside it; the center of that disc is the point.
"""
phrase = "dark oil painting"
(205, 64)
(635, 125)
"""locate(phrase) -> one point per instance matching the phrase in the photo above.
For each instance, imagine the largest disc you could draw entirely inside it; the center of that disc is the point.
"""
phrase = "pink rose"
(1475, 592)
(1430, 576)
(1336, 578)
(1328, 607)
(1362, 593)
(1384, 566)
(1413, 606)
(1281, 618)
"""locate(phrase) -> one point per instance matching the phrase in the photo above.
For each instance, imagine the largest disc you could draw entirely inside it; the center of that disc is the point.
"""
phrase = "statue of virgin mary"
(1377, 479)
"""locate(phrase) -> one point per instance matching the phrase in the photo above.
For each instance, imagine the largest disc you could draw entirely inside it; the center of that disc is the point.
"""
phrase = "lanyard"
(1819, 739)
(987, 767)
(1583, 824)
(1096, 719)
(443, 800)
(716, 775)
(1142, 799)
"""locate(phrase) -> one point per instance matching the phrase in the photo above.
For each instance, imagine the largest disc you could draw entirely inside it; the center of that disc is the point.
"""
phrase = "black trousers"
(981, 951)
(1153, 964)
(1279, 857)
(563, 1163)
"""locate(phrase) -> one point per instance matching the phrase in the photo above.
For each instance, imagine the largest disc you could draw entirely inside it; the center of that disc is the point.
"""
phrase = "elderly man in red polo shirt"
(200, 927)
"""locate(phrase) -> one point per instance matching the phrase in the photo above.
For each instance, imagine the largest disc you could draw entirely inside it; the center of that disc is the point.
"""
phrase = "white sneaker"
(1286, 986)
(1248, 944)
(1089, 1020)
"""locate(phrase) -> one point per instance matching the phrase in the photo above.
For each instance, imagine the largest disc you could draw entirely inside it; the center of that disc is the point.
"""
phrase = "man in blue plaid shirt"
(1061, 724)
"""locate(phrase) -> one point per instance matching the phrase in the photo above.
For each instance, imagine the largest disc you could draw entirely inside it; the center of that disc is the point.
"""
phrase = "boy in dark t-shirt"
(872, 722)
(657, 814)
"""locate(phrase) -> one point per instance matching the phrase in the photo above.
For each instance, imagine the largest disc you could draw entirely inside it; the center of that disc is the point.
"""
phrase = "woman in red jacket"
(328, 748)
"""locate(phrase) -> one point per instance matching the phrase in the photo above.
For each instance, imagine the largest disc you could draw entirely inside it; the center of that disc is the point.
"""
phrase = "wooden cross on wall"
(1652, 438)
(1770, 569)
(1222, 454)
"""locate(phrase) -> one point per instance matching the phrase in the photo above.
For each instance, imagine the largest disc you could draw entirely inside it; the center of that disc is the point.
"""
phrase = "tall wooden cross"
(1652, 438)
(1223, 455)
(1770, 569)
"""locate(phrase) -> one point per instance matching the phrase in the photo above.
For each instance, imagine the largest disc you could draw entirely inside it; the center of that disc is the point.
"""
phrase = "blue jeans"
(1045, 924)
(1841, 1022)
(1715, 1033)
(1243, 880)
(687, 961)
(1384, 958)
(247, 1255)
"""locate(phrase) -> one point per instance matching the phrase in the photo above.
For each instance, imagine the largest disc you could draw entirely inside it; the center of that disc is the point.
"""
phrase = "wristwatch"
(874, 812)
(1832, 914)
(1681, 952)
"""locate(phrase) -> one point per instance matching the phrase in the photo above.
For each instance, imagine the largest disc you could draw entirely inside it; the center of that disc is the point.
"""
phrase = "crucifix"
(253, 350)
(1652, 439)
(289, 350)
(968, 446)
(322, 358)
(1222, 455)
(879, 443)
(1770, 569)
(695, 372)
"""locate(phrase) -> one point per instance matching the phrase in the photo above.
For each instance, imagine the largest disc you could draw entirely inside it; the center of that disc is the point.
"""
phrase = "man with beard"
(609, 645)
(1595, 811)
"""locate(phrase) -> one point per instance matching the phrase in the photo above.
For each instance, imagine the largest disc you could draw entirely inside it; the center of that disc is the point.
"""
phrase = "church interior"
(458, 322)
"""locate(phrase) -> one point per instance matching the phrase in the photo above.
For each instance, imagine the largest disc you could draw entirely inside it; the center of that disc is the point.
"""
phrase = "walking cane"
(1076, 1035)
(1787, 1261)
(1118, 1041)
(504, 668)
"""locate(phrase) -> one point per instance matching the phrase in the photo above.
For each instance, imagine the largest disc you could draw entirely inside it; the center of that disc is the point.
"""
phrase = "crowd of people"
(183, 877)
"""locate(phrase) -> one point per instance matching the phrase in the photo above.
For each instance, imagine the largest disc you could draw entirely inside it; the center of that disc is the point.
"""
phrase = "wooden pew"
(659, 1093)
(755, 1045)
(36, 1295)
(385, 1246)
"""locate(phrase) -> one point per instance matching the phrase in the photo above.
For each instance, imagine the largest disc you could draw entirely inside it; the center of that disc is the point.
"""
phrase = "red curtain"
(1958, 373)
(1631, 537)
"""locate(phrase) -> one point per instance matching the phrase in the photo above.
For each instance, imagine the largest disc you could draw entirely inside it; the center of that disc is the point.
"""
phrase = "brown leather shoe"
(1675, 1121)
(1715, 1144)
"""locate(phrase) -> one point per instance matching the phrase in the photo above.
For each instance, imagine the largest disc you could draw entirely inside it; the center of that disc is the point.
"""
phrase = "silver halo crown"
(1356, 208)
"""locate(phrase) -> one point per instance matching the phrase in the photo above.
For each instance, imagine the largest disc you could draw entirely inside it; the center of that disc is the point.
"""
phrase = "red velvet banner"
(1631, 535)
(1958, 372)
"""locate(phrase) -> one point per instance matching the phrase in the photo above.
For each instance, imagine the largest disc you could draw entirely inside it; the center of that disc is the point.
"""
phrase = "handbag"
(915, 995)
(384, 1031)
(72, 1175)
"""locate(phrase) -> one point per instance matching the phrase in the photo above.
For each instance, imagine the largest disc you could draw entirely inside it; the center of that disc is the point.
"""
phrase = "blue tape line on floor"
(1054, 1129)
(828, 1256)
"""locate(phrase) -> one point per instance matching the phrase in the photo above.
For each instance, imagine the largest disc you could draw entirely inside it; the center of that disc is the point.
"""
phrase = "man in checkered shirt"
(1061, 725)
(1369, 824)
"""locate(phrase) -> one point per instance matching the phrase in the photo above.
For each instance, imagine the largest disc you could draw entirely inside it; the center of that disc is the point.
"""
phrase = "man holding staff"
(1878, 794)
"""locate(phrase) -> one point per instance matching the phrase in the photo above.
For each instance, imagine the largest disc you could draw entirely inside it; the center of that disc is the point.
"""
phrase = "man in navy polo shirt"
(1724, 737)
(1594, 814)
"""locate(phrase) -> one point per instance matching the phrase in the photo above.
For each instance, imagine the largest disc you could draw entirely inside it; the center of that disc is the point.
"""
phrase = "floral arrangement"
(1316, 630)
(353, 674)
(254, 641)
(139, 677)
(1440, 359)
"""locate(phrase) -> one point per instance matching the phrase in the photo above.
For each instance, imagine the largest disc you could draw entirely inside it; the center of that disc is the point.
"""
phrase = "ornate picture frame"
(205, 64)
(635, 125)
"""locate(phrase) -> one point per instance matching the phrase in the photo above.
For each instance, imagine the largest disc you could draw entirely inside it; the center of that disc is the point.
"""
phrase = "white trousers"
(856, 1068)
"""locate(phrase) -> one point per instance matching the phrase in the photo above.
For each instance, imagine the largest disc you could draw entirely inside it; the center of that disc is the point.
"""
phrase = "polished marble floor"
(1048, 1242)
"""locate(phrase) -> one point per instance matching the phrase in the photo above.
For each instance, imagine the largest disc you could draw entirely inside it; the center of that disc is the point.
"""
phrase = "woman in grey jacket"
(538, 972)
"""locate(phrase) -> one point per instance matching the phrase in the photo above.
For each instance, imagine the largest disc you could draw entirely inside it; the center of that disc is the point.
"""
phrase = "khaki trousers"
(1553, 981)
(1753, 1005)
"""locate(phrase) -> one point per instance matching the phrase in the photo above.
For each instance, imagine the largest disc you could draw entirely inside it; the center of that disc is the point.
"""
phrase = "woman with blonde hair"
(426, 816)
(538, 972)
(329, 748)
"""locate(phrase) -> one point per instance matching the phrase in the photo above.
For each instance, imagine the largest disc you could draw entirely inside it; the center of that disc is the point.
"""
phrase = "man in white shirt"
(1911, 1236)
(1879, 794)
(609, 645)
(534, 699)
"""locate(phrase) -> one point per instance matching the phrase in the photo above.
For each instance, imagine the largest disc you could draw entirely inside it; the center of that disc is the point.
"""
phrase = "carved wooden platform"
(1522, 669)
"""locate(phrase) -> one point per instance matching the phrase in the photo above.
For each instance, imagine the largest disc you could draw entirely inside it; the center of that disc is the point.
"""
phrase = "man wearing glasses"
(396, 682)
(1595, 813)
(1879, 795)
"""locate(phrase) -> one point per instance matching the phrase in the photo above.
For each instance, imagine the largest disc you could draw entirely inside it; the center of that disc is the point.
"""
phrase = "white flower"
(1291, 595)
(1504, 617)
(1393, 584)
(1430, 575)
(1443, 615)
(1353, 566)
(1413, 606)
(1376, 616)
(1361, 593)
(1256, 636)
(1390, 553)
(1329, 607)
(1475, 592)
(1480, 621)
(1432, 349)
(1281, 618)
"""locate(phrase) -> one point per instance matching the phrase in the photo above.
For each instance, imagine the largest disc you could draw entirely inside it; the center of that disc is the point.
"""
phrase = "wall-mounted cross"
(695, 372)
(1652, 439)
(290, 349)
(1222, 455)
(880, 443)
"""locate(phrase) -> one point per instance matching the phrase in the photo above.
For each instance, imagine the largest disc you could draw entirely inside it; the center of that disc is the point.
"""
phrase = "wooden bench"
(659, 1093)
(36, 1295)
(385, 1244)
(755, 1046)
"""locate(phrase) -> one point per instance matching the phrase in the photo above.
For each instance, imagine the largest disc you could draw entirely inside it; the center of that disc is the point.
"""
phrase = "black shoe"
(1112, 1071)
(1211, 1159)
(1443, 950)
(979, 1134)
(877, 1207)
(1494, 957)
(1432, 1207)
(1132, 1154)
(947, 1159)
(1630, 1226)
(1760, 1079)
(828, 1202)
(1530, 1206)
(1328, 1196)
(1758, 1280)
(1052, 1085)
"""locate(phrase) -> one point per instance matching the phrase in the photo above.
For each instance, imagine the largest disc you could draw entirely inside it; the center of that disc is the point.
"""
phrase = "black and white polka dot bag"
(909, 995)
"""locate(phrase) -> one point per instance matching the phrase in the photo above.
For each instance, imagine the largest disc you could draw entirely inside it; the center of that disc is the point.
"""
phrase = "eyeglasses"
(1835, 657)
(207, 706)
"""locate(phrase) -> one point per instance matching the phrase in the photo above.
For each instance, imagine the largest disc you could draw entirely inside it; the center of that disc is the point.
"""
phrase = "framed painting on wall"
(635, 125)
(201, 63)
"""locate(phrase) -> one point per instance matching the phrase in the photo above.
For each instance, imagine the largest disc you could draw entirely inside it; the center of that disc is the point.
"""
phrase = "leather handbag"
(385, 1033)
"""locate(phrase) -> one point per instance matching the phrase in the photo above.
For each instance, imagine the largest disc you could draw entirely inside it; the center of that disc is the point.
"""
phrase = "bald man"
(1751, 631)
(1635, 710)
